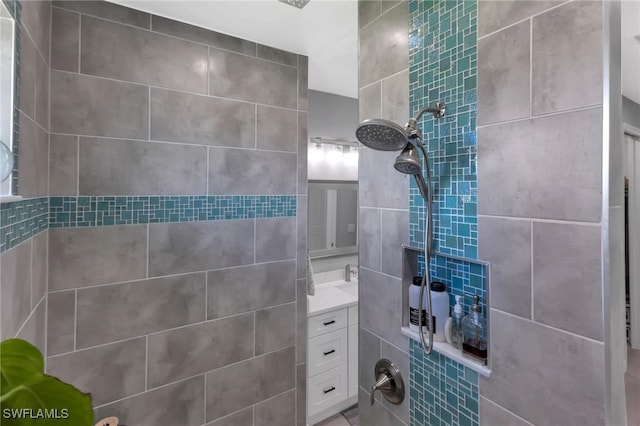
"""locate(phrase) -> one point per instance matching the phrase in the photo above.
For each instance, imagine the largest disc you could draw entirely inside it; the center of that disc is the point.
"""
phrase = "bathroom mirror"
(333, 215)
(7, 55)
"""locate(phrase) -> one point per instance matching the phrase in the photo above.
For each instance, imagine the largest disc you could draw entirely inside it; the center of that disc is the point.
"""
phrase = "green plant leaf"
(29, 397)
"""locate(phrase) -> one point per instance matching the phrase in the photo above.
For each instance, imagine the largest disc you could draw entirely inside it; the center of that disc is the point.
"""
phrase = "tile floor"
(632, 381)
(337, 420)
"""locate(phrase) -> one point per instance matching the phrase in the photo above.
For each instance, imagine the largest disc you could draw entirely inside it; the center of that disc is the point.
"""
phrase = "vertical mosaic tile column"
(443, 68)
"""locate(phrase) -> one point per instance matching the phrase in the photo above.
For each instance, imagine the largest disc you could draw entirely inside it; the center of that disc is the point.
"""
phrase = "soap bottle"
(474, 334)
(440, 310)
(456, 324)
(414, 299)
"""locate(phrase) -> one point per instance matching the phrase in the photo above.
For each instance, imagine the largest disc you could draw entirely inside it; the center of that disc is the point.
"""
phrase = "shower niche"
(462, 276)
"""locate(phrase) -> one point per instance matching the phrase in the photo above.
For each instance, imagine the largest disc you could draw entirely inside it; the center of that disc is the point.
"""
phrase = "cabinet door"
(353, 360)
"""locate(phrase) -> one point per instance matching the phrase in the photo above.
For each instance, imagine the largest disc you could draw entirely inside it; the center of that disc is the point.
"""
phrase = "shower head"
(381, 135)
(408, 161)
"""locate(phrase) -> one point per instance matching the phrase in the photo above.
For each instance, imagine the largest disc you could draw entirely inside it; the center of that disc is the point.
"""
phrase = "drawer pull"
(329, 352)
(329, 322)
(331, 389)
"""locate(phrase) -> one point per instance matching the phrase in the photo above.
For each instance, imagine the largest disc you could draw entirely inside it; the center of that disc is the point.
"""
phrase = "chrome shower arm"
(438, 111)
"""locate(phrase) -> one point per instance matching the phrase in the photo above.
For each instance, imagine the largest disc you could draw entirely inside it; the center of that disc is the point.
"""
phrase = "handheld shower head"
(381, 134)
(408, 161)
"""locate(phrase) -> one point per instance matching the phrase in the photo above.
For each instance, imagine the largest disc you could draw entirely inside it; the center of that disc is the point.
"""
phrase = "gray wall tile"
(370, 101)
(368, 354)
(126, 53)
(35, 328)
(302, 208)
(567, 42)
(382, 296)
(201, 120)
(180, 403)
(301, 395)
(494, 15)
(42, 92)
(504, 69)
(39, 267)
(196, 349)
(303, 185)
(235, 290)
(61, 314)
(255, 80)
(375, 415)
(36, 18)
(567, 147)
(394, 233)
(492, 414)
(380, 184)
(199, 246)
(303, 82)
(277, 55)
(278, 411)
(401, 360)
(97, 107)
(506, 245)
(276, 328)
(368, 10)
(384, 48)
(275, 239)
(277, 129)
(202, 35)
(126, 167)
(107, 10)
(65, 40)
(107, 372)
(566, 263)
(27, 74)
(558, 394)
(80, 257)
(388, 4)
(240, 171)
(395, 97)
(34, 158)
(301, 320)
(15, 288)
(369, 238)
(241, 418)
(63, 165)
(232, 388)
(120, 311)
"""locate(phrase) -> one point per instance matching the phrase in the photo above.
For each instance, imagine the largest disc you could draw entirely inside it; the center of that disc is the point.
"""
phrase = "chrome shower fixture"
(296, 3)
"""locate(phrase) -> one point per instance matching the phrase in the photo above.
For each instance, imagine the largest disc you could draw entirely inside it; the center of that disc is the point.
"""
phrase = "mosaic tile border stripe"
(443, 68)
(71, 212)
(21, 220)
(442, 391)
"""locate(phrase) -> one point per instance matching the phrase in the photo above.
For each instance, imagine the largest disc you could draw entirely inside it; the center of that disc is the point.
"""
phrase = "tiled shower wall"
(540, 207)
(177, 263)
(23, 224)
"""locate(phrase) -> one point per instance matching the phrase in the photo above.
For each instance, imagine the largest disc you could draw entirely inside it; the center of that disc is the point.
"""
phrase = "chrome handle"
(388, 381)
(383, 383)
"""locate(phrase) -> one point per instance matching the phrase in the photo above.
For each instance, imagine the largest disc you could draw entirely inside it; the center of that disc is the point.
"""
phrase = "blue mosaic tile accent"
(21, 220)
(443, 68)
(442, 391)
(71, 212)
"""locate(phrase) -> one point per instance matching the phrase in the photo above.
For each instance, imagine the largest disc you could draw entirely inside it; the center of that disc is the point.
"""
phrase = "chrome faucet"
(348, 272)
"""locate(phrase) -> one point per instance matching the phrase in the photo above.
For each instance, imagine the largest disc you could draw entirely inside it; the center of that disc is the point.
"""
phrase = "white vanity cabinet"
(332, 362)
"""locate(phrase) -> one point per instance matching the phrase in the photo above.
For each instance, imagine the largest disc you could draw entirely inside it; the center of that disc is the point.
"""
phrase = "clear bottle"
(456, 327)
(474, 333)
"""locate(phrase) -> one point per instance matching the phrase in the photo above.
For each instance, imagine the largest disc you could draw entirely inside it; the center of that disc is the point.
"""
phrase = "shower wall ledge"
(450, 352)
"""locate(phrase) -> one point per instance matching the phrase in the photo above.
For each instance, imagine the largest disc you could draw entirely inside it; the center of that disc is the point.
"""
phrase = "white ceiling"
(324, 30)
(327, 32)
(631, 50)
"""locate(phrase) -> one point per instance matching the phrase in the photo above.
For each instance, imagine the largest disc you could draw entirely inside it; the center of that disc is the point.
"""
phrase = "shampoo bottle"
(440, 306)
(415, 316)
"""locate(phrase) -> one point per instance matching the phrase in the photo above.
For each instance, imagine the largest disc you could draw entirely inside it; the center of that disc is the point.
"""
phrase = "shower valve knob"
(388, 381)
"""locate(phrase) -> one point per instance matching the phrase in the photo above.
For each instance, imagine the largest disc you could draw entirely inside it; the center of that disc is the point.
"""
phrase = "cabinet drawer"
(353, 315)
(326, 389)
(327, 322)
(327, 351)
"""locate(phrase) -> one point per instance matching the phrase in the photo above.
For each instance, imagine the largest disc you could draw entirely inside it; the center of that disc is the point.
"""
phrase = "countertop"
(333, 295)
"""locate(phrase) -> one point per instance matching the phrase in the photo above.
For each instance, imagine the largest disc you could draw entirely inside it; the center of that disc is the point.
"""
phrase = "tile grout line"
(146, 362)
(530, 67)
(532, 272)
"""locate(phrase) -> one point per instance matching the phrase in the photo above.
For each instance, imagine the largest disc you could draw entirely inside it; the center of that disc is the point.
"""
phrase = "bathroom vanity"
(332, 351)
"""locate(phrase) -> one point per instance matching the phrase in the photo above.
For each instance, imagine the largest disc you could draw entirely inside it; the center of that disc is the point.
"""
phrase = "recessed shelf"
(450, 352)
